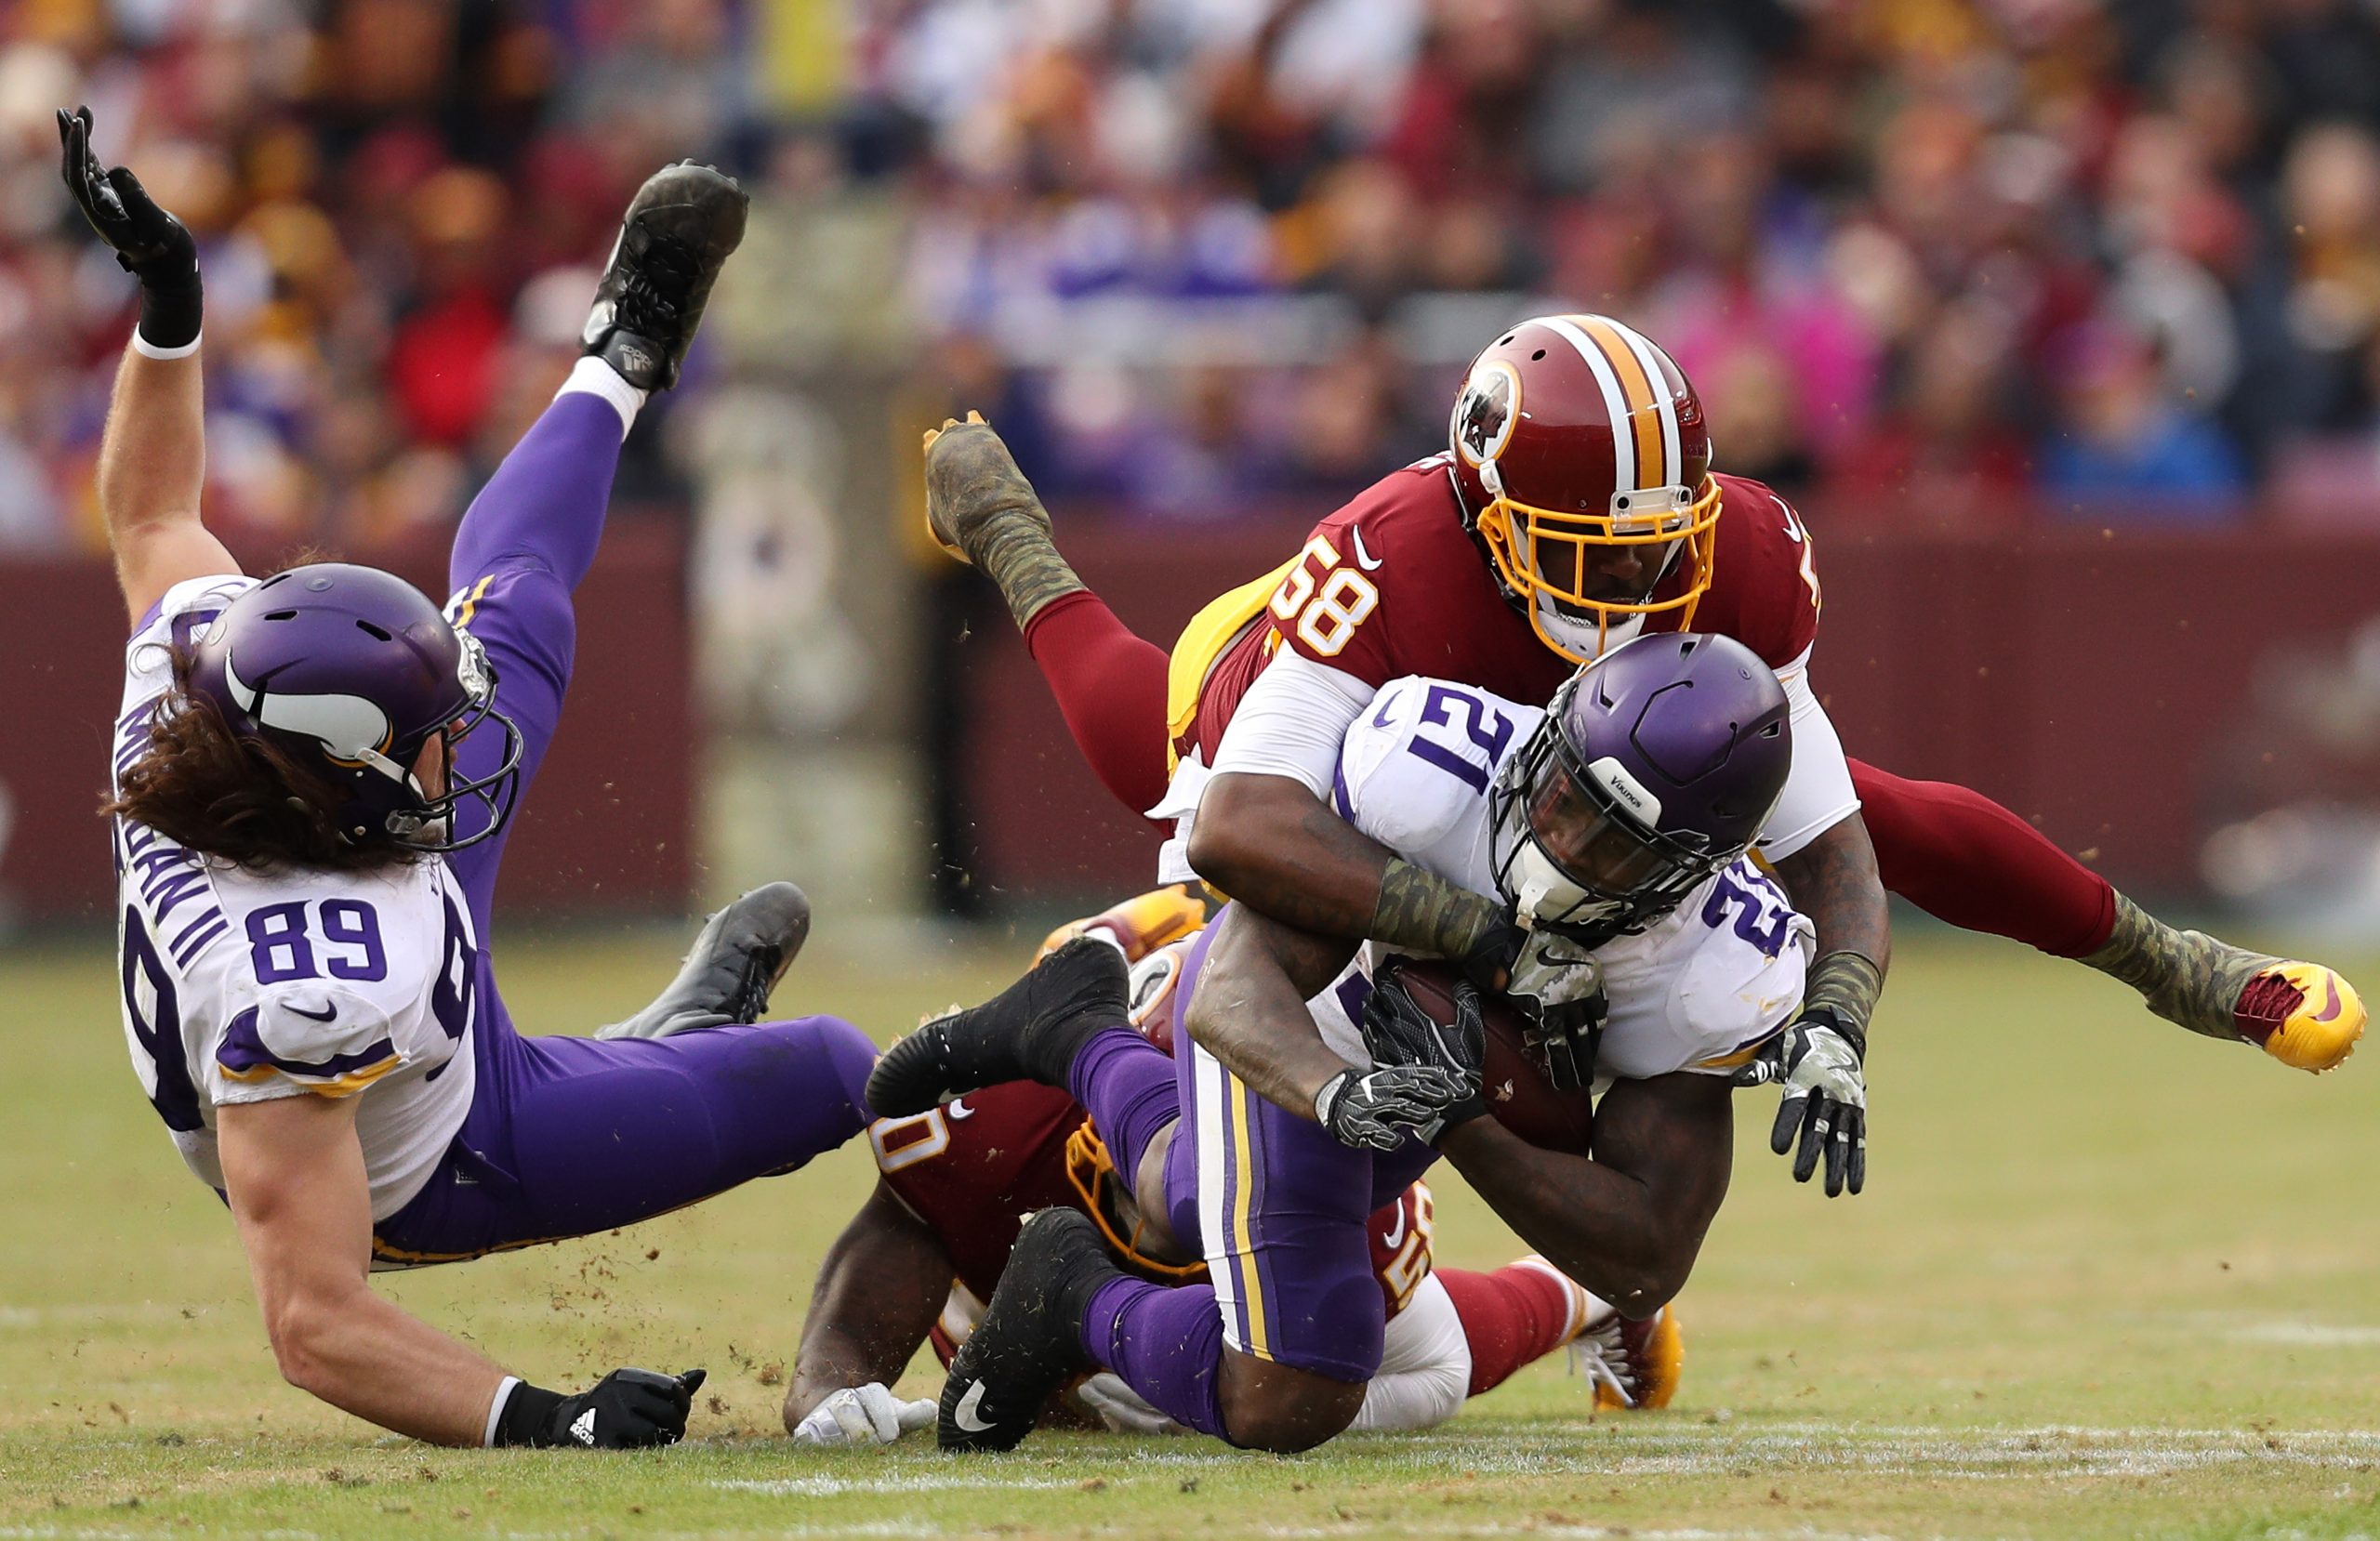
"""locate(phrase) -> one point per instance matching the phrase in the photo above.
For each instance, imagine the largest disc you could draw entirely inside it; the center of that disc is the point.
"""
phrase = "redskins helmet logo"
(1486, 411)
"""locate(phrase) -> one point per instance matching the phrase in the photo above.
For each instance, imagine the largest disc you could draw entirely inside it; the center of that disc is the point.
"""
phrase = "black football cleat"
(1028, 1032)
(1029, 1343)
(675, 237)
(737, 958)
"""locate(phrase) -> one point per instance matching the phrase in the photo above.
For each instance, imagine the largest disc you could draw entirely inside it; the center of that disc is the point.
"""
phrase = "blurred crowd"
(1975, 262)
(1971, 261)
(401, 205)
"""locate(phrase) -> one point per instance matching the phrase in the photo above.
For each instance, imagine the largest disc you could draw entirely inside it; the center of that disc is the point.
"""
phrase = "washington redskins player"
(917, 1262)
(1575, 507)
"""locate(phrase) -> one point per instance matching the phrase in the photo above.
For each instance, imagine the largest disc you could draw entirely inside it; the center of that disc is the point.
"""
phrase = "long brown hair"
(236, 798)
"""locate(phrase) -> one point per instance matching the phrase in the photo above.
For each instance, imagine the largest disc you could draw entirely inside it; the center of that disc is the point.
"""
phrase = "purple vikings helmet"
(351, 669)
(1656, 765)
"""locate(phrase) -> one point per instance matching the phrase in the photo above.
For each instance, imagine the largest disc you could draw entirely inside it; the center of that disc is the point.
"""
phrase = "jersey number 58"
(1322, 601)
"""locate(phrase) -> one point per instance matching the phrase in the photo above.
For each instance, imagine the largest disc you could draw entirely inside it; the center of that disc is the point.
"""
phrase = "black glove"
(1398, 1032)
(1552, 976)
(1374, 1110)
(148, 243)
(1821, 1060)
(626, 1409)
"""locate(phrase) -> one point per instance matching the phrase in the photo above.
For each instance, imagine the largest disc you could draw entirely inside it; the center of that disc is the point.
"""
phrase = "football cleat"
(675, 235)
(1140, 924)
(1635, 1365)
(1030, 1342)
(1028, 1032)
(953, 530)
(737, 958)
(2303, 1014)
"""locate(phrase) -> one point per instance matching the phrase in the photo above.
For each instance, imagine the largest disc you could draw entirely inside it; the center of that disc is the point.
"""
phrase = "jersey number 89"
(1323, 601)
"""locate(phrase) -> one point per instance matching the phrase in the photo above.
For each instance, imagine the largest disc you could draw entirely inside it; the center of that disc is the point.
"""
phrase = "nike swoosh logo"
(328, 1013)
(965, 1414)
(957, 1108)
(1364, 558)
(1394, 1233)
(2329, 1007)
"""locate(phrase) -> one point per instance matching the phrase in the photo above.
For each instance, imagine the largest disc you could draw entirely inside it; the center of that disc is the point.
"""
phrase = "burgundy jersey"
(1392, 585)
(972, 1169)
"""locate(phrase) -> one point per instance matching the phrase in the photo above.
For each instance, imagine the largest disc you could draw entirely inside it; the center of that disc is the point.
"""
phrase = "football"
(1524, 1100)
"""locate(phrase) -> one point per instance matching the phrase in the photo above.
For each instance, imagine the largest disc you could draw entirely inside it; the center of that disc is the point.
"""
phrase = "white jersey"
(1701, 989)
(242, 986)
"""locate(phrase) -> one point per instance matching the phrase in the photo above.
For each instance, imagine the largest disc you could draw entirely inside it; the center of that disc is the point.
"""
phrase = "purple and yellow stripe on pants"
(1281, 1208)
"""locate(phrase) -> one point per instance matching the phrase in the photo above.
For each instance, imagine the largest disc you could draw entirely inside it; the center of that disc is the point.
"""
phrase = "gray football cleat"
(675, 237)
(737, 958)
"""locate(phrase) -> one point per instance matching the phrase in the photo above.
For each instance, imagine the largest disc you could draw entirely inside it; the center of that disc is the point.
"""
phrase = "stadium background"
(2058, 319)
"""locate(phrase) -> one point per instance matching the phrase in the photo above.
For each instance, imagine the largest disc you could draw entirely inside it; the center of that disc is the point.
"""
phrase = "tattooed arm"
(1833, 880)
(1273, 844)
(879, 1292)
(1629, 1221)
(1249, 1009)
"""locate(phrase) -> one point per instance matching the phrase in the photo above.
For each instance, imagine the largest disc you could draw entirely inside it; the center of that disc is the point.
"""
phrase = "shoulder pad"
(325, 1038)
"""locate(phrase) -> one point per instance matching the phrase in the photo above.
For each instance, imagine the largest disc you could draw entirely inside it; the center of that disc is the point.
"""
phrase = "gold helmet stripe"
(1649, 354)
(1623, 445)
(1643, 401)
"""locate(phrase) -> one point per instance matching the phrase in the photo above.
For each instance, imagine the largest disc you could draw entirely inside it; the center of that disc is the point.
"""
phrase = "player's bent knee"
(1282, 1409)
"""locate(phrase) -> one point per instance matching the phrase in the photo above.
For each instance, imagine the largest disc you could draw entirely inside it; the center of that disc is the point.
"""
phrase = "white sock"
(597, 379)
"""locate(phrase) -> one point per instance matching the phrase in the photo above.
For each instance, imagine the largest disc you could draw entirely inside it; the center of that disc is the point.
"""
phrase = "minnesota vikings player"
(927, 1249)
(314, 778)
(1617, 819)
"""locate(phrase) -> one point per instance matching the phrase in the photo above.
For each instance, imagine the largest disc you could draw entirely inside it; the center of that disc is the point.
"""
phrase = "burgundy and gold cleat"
(2302, 1014)
(1140, 924)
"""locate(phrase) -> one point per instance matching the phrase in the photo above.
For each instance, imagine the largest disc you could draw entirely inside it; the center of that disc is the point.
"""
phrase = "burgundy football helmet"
(351, 669)
(1656, 766)
(1573, 433)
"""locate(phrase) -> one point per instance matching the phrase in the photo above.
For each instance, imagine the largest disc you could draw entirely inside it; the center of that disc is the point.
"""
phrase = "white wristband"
(148, 349)
(495, 1410)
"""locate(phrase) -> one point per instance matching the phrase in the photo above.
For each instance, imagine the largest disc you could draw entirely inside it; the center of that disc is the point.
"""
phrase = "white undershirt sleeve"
(1291, 723)
(1817, 789)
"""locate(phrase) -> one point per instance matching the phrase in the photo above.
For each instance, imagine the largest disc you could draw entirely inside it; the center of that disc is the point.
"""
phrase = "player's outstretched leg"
(1109, 683)
(587, 1134)
(736, 960)
(2302, 1014)
(1029, 1032)
(1030, 1340)
(1963, 858)
(530, 535)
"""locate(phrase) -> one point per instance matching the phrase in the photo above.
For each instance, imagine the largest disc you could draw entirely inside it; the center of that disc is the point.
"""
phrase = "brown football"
(1522, 1099)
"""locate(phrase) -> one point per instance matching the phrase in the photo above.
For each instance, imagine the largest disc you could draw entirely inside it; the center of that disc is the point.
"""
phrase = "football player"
(925, 1251)
(314, 777)
(1574, 507)
(1314, 1085)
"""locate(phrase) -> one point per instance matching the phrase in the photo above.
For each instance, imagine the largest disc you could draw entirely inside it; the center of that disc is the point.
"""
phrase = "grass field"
(2106, 1281)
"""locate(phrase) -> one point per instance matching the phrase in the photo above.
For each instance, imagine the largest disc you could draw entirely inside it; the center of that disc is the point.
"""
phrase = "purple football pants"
(1278, 1207)
(567, 1135)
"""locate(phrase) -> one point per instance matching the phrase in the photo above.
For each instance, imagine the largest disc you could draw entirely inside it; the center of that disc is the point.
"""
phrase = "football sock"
(1166, 1343)
(2188, 977)
(596, 378)
(547, 498)
(1963, 858)
(1513, 1317)
(1110, 687)
(1128, 1084)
